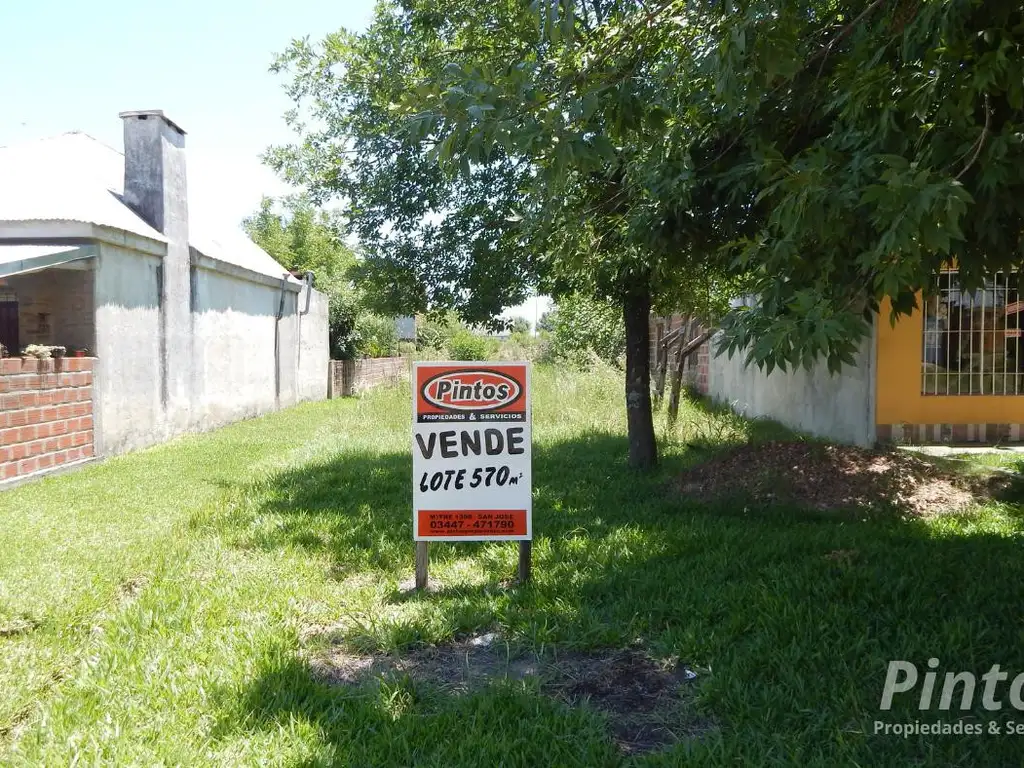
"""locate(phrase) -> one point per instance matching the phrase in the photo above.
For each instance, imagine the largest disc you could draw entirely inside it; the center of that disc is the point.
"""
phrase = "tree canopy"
(819, 156)
(301, 237)
(304, 238)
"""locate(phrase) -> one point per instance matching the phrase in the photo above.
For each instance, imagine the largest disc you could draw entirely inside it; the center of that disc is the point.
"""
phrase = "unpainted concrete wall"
(243, 361)
(314, 346)
(128, 412)
(839, 407)
(155, 186)
(233, 325)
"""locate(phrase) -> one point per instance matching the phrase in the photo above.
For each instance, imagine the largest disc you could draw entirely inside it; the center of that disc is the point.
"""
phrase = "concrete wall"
(129, 389)
(55, 306)
(242, 360)
(840, 407)
(155, 186)
(314, 346)
(233, 330)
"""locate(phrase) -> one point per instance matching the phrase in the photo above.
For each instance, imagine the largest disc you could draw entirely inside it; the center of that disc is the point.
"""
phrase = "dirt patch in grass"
(836, 477)
(647, 702)
(16, 625)
(129, 589)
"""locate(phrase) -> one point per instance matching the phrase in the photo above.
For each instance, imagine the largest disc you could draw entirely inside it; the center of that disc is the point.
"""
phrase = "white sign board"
(471, 451)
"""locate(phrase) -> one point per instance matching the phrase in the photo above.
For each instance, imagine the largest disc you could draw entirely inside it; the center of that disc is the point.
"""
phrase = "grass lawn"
(155, 609)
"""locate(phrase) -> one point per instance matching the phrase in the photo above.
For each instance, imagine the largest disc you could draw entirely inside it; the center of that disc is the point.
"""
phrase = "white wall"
(244, 361)
(839, 407)
(314, 347)
(233, 325)
(128, 412)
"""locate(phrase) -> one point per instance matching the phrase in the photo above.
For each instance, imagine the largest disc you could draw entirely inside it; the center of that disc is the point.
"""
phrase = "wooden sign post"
(472, 457)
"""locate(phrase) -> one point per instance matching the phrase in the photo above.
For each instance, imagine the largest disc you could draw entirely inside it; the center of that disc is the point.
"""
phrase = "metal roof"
(18, 259)
(74, 177)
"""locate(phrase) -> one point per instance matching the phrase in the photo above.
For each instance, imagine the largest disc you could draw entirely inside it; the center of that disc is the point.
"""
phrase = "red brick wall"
(348, 377)
(45, 414)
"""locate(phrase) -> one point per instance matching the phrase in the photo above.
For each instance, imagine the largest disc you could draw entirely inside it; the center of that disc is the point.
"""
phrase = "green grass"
(170, 594)
(1006, 460)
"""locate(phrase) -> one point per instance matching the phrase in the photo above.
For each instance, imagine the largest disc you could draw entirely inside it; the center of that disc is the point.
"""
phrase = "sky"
(71, 65)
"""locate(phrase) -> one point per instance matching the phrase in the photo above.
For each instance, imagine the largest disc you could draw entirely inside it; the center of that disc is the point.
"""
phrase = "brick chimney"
(155, 187)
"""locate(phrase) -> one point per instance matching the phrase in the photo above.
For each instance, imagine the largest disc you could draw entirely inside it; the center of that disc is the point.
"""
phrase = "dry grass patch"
(838, 477)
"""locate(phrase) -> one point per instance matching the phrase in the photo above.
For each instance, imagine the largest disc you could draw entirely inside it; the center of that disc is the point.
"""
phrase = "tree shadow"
(791, 615)
(402, 722)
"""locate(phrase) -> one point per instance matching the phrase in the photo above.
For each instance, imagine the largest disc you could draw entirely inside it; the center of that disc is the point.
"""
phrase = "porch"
(46, 297)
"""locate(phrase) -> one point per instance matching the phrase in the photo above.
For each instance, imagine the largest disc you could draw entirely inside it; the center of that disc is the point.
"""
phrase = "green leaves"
(819, 158)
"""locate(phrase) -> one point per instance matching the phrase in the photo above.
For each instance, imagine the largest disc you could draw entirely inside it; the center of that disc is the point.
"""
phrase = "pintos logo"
(471, 390)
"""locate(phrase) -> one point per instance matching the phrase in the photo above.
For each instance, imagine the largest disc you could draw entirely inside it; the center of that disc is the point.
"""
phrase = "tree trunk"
(643, 449)
(686, 348)
(677, 374)
(661, 362)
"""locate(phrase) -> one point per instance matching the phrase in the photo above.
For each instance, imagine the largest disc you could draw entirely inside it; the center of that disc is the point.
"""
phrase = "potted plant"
(81, 352)
(36, 351)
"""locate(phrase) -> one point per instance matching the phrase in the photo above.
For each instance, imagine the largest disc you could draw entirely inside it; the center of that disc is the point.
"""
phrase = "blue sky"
(73, 65)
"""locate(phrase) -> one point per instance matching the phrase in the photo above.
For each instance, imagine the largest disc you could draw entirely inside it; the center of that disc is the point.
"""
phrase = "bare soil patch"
(647, 702)
(16, 625)
(837, 477)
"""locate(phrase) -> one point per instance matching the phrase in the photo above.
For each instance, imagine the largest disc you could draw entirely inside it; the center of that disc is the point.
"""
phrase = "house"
(951, 372)
(184, 323)
(405, 328)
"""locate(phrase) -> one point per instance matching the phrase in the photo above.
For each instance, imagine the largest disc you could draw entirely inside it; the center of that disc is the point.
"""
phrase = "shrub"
(521, 346)
(584, 329)
(342, 319)
(377, 336)
(466, 345)
(431, 353)
(434, 332)
(38, 351)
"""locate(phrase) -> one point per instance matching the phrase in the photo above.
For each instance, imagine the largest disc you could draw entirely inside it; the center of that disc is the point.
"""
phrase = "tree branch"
(980, 142)
(843, 34)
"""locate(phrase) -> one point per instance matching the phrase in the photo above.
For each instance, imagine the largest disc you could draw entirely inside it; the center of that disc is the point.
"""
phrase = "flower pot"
(79, 353)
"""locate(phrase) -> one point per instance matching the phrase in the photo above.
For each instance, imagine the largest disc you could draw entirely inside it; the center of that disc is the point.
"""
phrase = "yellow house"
(953, 371)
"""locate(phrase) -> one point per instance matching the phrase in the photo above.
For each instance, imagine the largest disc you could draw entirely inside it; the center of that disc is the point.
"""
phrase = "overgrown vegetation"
(584, 329)
(304, 238)
(170, 606)
(446, 337)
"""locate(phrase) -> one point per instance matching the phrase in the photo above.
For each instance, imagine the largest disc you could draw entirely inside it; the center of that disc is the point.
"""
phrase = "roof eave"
(46, 261)
(25, 232)
(201, 261)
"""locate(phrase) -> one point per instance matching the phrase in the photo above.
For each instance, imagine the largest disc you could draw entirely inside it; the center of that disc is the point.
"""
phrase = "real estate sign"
(471, 452)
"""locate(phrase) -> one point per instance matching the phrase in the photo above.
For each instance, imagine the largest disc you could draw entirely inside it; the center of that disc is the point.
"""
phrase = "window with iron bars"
(972, 340)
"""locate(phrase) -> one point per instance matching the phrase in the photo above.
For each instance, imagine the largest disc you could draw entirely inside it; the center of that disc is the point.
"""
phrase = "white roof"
(74, 177)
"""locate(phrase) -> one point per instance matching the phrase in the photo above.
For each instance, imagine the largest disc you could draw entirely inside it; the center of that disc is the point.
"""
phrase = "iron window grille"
(972, 340)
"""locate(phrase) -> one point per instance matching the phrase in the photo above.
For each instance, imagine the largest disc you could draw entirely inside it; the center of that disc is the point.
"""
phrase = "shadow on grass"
(791, 616)
(402, 723)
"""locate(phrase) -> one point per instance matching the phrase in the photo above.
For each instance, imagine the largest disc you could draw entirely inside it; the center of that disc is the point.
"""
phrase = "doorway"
(9, 335)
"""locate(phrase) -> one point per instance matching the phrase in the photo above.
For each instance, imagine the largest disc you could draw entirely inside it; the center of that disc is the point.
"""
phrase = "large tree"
(304, 238)
(830, 154)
